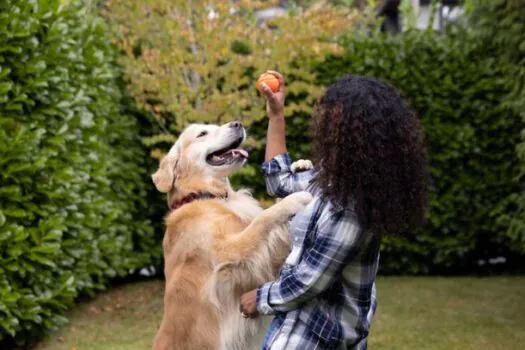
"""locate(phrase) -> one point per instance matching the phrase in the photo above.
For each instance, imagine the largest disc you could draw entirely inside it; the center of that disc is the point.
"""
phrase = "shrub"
(500, 25)
(457, 86)
(199, 61)
(72, 210)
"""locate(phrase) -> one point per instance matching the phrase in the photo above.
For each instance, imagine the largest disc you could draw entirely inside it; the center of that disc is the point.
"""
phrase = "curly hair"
(371, 155)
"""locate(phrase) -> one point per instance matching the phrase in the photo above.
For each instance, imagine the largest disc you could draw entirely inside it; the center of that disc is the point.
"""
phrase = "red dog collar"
(193, 197)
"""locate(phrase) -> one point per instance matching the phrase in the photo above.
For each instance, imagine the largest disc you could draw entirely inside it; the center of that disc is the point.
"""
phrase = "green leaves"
(73, 210)
(199, 77)
(499, 23)
(459, 88)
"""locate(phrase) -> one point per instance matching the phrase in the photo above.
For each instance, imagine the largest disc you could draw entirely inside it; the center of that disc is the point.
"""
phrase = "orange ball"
(270, 80)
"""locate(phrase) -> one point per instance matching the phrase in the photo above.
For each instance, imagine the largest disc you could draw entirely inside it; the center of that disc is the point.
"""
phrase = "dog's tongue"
(233, 152)
(241, 152)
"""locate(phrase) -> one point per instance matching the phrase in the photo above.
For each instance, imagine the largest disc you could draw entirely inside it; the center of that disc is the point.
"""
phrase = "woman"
(370, 181)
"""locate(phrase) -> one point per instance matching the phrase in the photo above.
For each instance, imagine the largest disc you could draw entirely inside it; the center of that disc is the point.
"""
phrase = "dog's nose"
(235, 125)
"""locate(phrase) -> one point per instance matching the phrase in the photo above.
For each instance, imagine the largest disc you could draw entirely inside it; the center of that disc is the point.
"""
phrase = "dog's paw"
(296, 202)
(301, 165)
(303, 197)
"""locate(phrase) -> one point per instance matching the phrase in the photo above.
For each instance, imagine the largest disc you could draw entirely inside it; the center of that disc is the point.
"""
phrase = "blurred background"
(93, 93)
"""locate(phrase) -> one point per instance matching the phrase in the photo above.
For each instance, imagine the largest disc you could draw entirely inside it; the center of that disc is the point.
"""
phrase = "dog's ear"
(164, 177)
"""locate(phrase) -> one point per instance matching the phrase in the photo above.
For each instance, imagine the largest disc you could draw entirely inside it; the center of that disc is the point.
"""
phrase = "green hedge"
(500, 24)
(73, 212)
(458, 87)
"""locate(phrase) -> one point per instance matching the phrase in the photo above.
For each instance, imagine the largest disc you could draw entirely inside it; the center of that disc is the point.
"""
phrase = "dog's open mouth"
(228, 155)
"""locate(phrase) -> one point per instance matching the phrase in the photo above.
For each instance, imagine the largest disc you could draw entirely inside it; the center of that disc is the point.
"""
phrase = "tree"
(195, 61)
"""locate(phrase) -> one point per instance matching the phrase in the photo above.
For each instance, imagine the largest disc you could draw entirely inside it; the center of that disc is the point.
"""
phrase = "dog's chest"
(245, 208)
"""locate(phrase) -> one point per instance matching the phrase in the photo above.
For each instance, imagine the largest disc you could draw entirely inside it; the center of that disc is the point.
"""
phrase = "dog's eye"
(203, 133)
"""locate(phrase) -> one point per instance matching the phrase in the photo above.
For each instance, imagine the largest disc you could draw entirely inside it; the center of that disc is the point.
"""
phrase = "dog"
(218, 242)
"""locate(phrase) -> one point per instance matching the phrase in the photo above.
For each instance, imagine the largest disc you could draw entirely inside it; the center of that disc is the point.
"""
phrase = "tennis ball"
(270, 80)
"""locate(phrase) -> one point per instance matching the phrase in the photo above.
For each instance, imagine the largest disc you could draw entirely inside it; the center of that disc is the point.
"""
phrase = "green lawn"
(413, 313)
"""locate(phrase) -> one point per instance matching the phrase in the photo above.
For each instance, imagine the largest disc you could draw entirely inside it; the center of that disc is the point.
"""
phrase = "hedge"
(458, 88)
(73, 212)
(500, 24)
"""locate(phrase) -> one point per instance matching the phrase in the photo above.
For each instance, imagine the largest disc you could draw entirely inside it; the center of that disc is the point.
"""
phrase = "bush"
(207, 69)
(73, 212)
(458, 87)
(500, 25)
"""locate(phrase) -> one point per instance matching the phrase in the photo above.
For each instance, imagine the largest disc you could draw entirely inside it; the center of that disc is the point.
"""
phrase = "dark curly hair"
(369, 147)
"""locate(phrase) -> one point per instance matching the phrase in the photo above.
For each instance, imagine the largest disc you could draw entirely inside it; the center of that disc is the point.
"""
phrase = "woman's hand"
(249, 304)
(274, 100)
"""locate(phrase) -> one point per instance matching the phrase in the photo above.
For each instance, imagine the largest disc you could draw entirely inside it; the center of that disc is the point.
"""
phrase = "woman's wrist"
(277, 117)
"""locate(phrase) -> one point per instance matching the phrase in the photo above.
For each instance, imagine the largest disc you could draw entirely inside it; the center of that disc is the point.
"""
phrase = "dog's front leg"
(302, 165)
(240, 246)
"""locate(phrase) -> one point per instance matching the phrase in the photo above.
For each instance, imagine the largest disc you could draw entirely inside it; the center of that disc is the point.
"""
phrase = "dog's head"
(202, 155)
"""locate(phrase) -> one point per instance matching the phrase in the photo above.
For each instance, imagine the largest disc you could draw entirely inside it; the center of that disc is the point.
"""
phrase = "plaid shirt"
(325, 295)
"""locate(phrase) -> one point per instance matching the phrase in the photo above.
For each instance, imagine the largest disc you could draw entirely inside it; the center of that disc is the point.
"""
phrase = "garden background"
(93, 93)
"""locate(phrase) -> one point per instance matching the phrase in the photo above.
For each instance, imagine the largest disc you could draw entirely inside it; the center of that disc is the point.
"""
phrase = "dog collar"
(193, 197)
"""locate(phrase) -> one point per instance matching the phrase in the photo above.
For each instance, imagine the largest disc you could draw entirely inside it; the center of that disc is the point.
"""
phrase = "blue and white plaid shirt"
(325, 295)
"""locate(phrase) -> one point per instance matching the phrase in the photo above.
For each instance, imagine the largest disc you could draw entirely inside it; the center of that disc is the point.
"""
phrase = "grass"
(450, 313)
(125, 318)
(413, 313)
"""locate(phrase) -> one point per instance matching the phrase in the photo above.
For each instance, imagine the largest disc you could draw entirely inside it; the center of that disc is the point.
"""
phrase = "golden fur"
(215, 249)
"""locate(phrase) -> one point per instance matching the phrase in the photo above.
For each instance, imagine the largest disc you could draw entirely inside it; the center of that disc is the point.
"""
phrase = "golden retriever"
(218, 243)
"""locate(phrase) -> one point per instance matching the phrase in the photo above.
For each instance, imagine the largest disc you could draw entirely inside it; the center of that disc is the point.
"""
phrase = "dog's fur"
(215, 249)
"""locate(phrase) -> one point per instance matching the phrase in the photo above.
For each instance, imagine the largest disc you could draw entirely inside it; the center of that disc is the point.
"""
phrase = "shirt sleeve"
(336, 242)
(280, 180)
